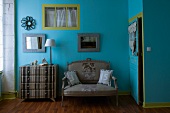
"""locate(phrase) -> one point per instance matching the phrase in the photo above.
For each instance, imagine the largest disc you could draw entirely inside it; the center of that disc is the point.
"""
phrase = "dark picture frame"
(88, 42)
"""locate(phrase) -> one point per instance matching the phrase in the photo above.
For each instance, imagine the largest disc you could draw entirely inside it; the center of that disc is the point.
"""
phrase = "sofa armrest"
(115, 82)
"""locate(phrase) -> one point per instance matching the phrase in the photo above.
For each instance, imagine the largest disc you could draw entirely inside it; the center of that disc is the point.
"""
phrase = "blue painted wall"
(157, 35)
(96, 16)
(134, 7)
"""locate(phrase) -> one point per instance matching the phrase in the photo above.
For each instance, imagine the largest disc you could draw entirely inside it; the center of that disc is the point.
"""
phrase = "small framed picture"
(88, 42)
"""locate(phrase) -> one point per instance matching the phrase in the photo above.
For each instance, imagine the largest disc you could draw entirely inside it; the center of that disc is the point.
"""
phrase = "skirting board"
(156, 105)
(123, 92)
(9, 95)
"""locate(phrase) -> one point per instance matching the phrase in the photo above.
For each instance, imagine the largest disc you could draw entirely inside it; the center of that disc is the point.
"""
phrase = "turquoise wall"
(134, 7)
(96, 16)
(156, 34)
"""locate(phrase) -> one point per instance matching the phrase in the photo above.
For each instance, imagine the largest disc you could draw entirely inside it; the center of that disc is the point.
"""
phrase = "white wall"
(1, 42)
(1, 35)
(9, 48)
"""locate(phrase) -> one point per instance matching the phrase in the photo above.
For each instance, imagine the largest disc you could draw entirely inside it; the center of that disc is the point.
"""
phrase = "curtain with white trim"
(61, 17)
(72, 17)
(50, 13)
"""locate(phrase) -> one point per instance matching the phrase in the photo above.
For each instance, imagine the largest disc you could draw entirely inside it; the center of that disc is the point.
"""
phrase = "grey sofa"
(88, 72)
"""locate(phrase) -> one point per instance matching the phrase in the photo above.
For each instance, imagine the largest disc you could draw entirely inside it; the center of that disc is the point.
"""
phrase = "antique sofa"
(88, 72)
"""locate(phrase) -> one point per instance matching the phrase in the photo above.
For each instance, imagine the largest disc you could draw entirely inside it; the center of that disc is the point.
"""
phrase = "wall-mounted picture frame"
(88, 42)
(33, 43)
(61, 16)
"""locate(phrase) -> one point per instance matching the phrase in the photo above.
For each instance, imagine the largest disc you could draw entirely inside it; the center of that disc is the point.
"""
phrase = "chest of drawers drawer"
(37, 79)
(37, 94)
(36, 86)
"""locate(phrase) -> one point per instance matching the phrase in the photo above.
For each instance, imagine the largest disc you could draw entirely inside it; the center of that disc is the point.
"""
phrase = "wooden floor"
(77, 105)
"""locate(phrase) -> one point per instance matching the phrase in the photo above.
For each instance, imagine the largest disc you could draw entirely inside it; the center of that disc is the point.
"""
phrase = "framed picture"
(88, 42)
(33, 42)
(61, 16)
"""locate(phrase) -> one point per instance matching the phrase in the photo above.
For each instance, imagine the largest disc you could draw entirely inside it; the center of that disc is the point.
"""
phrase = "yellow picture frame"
(54, 7)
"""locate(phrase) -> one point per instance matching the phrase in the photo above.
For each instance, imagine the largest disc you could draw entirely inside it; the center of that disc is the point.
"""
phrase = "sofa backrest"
(88, 71)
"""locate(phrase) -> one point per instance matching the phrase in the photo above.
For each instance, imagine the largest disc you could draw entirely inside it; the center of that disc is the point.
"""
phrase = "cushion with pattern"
(72, 78)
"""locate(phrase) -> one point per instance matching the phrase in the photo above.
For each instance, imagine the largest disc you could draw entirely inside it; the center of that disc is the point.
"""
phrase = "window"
(1, 35)
(63, 17)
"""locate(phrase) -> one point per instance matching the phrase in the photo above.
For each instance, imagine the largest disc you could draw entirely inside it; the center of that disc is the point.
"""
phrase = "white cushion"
(105, 76)
(72, 78)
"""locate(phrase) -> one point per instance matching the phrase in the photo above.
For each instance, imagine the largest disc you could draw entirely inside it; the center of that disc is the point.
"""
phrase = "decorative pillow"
(105, 76)
(72, 78)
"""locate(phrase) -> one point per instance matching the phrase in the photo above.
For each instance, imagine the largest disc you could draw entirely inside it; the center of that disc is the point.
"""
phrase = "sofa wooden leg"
(117, 100)
(62, 101)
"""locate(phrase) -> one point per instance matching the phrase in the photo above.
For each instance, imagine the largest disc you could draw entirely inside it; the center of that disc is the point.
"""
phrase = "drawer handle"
(28, 86)
(45, 93)
(28, 71)
(28, 93)
(28, 78)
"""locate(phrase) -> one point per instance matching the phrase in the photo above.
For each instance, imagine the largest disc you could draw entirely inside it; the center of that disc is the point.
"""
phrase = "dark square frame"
(88, 42)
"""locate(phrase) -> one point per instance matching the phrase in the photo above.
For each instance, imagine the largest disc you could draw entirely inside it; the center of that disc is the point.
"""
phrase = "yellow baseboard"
(124, 93)
(156, 105)
(9, 95)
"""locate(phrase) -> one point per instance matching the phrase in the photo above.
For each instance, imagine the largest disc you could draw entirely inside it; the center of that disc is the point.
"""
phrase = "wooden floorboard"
(77, 105)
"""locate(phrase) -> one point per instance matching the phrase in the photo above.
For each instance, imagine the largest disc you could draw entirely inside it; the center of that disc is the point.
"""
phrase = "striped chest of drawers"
(38, 81)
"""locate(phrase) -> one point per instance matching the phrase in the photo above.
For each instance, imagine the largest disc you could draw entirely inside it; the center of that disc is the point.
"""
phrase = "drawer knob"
(28, 93)
(28, 86)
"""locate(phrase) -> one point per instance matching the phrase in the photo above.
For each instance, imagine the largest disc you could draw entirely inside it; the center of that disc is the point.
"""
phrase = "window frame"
(60, 5)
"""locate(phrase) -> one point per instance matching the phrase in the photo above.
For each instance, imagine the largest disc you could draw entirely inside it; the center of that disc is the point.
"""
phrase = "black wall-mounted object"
(88, 42)
(28, 23)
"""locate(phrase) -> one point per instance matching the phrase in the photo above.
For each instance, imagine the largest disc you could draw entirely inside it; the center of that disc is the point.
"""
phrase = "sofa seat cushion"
(90, 90)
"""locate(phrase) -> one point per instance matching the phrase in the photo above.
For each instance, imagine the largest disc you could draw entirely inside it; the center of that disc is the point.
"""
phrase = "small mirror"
(33, 42)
